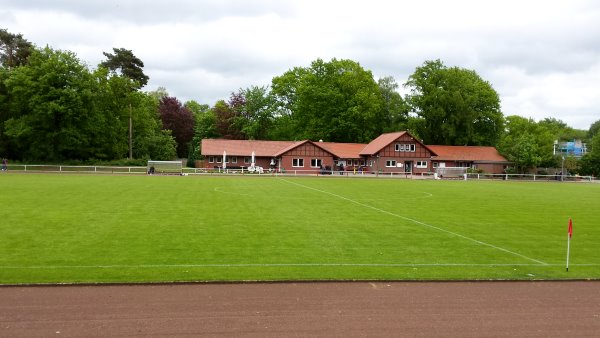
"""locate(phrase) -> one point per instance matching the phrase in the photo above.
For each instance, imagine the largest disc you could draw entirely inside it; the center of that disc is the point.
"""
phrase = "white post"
(569, 234)
(568, 250)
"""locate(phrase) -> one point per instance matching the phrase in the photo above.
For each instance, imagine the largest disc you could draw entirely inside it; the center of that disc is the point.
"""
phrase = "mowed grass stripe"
(417, 222)
(140, 228)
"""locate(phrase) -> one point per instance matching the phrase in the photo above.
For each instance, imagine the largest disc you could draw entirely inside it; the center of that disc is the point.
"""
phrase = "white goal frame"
(451, 172)
(164, 167)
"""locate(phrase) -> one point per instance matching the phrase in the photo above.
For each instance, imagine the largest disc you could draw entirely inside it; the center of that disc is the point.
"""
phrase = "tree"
(205, 127)
(527, 144)
(226, 118)
(52, 100)
(254, 110)
(561, 130)
(196, 108)
(150, 140)
(14, 49)
(395, 109)
(523, 152)
(590, 162)
(457, 106)
(124, 62)
(159, 94)
(594, 130)
(179, 120)
(335, 101)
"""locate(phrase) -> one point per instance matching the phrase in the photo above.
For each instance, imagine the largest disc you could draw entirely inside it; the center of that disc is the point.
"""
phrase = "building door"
(408, 166)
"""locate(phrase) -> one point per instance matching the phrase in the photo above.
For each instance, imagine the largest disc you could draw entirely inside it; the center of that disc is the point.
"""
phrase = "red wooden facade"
(396, 152)
(306, 157)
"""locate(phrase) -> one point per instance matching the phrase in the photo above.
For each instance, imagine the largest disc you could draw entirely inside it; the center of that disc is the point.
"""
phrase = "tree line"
(55, 108)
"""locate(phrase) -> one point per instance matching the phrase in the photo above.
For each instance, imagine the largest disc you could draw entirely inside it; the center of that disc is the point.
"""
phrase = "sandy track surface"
(359, 309)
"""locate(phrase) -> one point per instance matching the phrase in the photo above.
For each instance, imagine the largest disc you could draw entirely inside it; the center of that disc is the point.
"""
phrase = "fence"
(532, 177)
(41, 168)
(35, 168)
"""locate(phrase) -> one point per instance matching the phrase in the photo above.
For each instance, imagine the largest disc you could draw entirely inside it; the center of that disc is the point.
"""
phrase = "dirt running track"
(361, 309)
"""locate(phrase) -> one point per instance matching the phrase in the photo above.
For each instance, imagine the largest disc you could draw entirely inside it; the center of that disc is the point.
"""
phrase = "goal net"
(451, 172)
(164, 167)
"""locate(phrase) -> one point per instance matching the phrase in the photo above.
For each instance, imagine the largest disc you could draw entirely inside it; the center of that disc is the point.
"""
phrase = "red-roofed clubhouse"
(397, 152)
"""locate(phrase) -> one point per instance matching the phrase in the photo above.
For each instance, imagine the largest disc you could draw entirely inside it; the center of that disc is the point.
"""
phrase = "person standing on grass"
(4, 165)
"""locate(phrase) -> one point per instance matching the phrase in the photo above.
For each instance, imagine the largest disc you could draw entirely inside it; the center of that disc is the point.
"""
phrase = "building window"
(435, 165)
(297, 162)
(421, 164)
(405, 147)
(246, 159)
(390, 163)
(362, 163)
(315, 163)
(219, 159)
(211, 159)
(233, 159)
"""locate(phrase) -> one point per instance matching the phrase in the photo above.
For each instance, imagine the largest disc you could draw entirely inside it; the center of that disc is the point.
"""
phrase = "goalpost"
(164, 167)
(451, 172)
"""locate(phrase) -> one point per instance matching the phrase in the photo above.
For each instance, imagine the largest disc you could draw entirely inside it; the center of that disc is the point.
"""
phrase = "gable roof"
(297, 144)
(343, 150)
(385, 139)
(381, 142)
(468, 153)
(243, 147)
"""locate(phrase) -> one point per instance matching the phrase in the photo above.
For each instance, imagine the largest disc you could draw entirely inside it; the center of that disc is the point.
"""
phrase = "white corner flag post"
(569, 235)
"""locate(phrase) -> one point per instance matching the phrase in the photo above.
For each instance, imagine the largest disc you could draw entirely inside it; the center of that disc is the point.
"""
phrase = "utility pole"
(130, 134)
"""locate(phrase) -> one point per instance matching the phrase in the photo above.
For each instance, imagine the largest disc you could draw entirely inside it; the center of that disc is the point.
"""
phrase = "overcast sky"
(542, 57)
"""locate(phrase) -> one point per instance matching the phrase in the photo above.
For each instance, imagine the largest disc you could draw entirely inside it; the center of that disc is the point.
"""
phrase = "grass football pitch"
(103, 228)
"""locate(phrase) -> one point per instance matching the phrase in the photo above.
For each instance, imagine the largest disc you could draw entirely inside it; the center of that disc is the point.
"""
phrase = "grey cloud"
(156, 12)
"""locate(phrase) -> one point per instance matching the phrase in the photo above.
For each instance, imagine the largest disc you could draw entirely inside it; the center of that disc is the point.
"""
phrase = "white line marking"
(416, 221)
(241, 265)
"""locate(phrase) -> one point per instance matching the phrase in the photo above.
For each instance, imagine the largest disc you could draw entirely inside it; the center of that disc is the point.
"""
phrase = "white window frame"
(211, 159)
(413, 147)
(298, 162)
(219, 159)
(421, 164)
(247, 160)
(316, 162)
(435, 164)
(390, 163)
(233, 159)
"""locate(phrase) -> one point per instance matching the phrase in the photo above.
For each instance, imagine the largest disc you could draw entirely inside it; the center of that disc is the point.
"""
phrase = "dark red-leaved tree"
(179, 120)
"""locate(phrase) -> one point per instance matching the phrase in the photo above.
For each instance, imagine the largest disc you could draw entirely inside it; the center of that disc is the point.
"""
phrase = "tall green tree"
(254, 109)
(561, 130)
(150, 139)
(527, 144)
(127, 64)
(53, 99)
(14, 49)
(590, 162)
(196, 108)
(395, 109)
(594, 130)
(335, 101)
(457, 106)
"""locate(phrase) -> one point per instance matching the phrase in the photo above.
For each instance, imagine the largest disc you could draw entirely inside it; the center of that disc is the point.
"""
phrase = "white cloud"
(541, 56)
